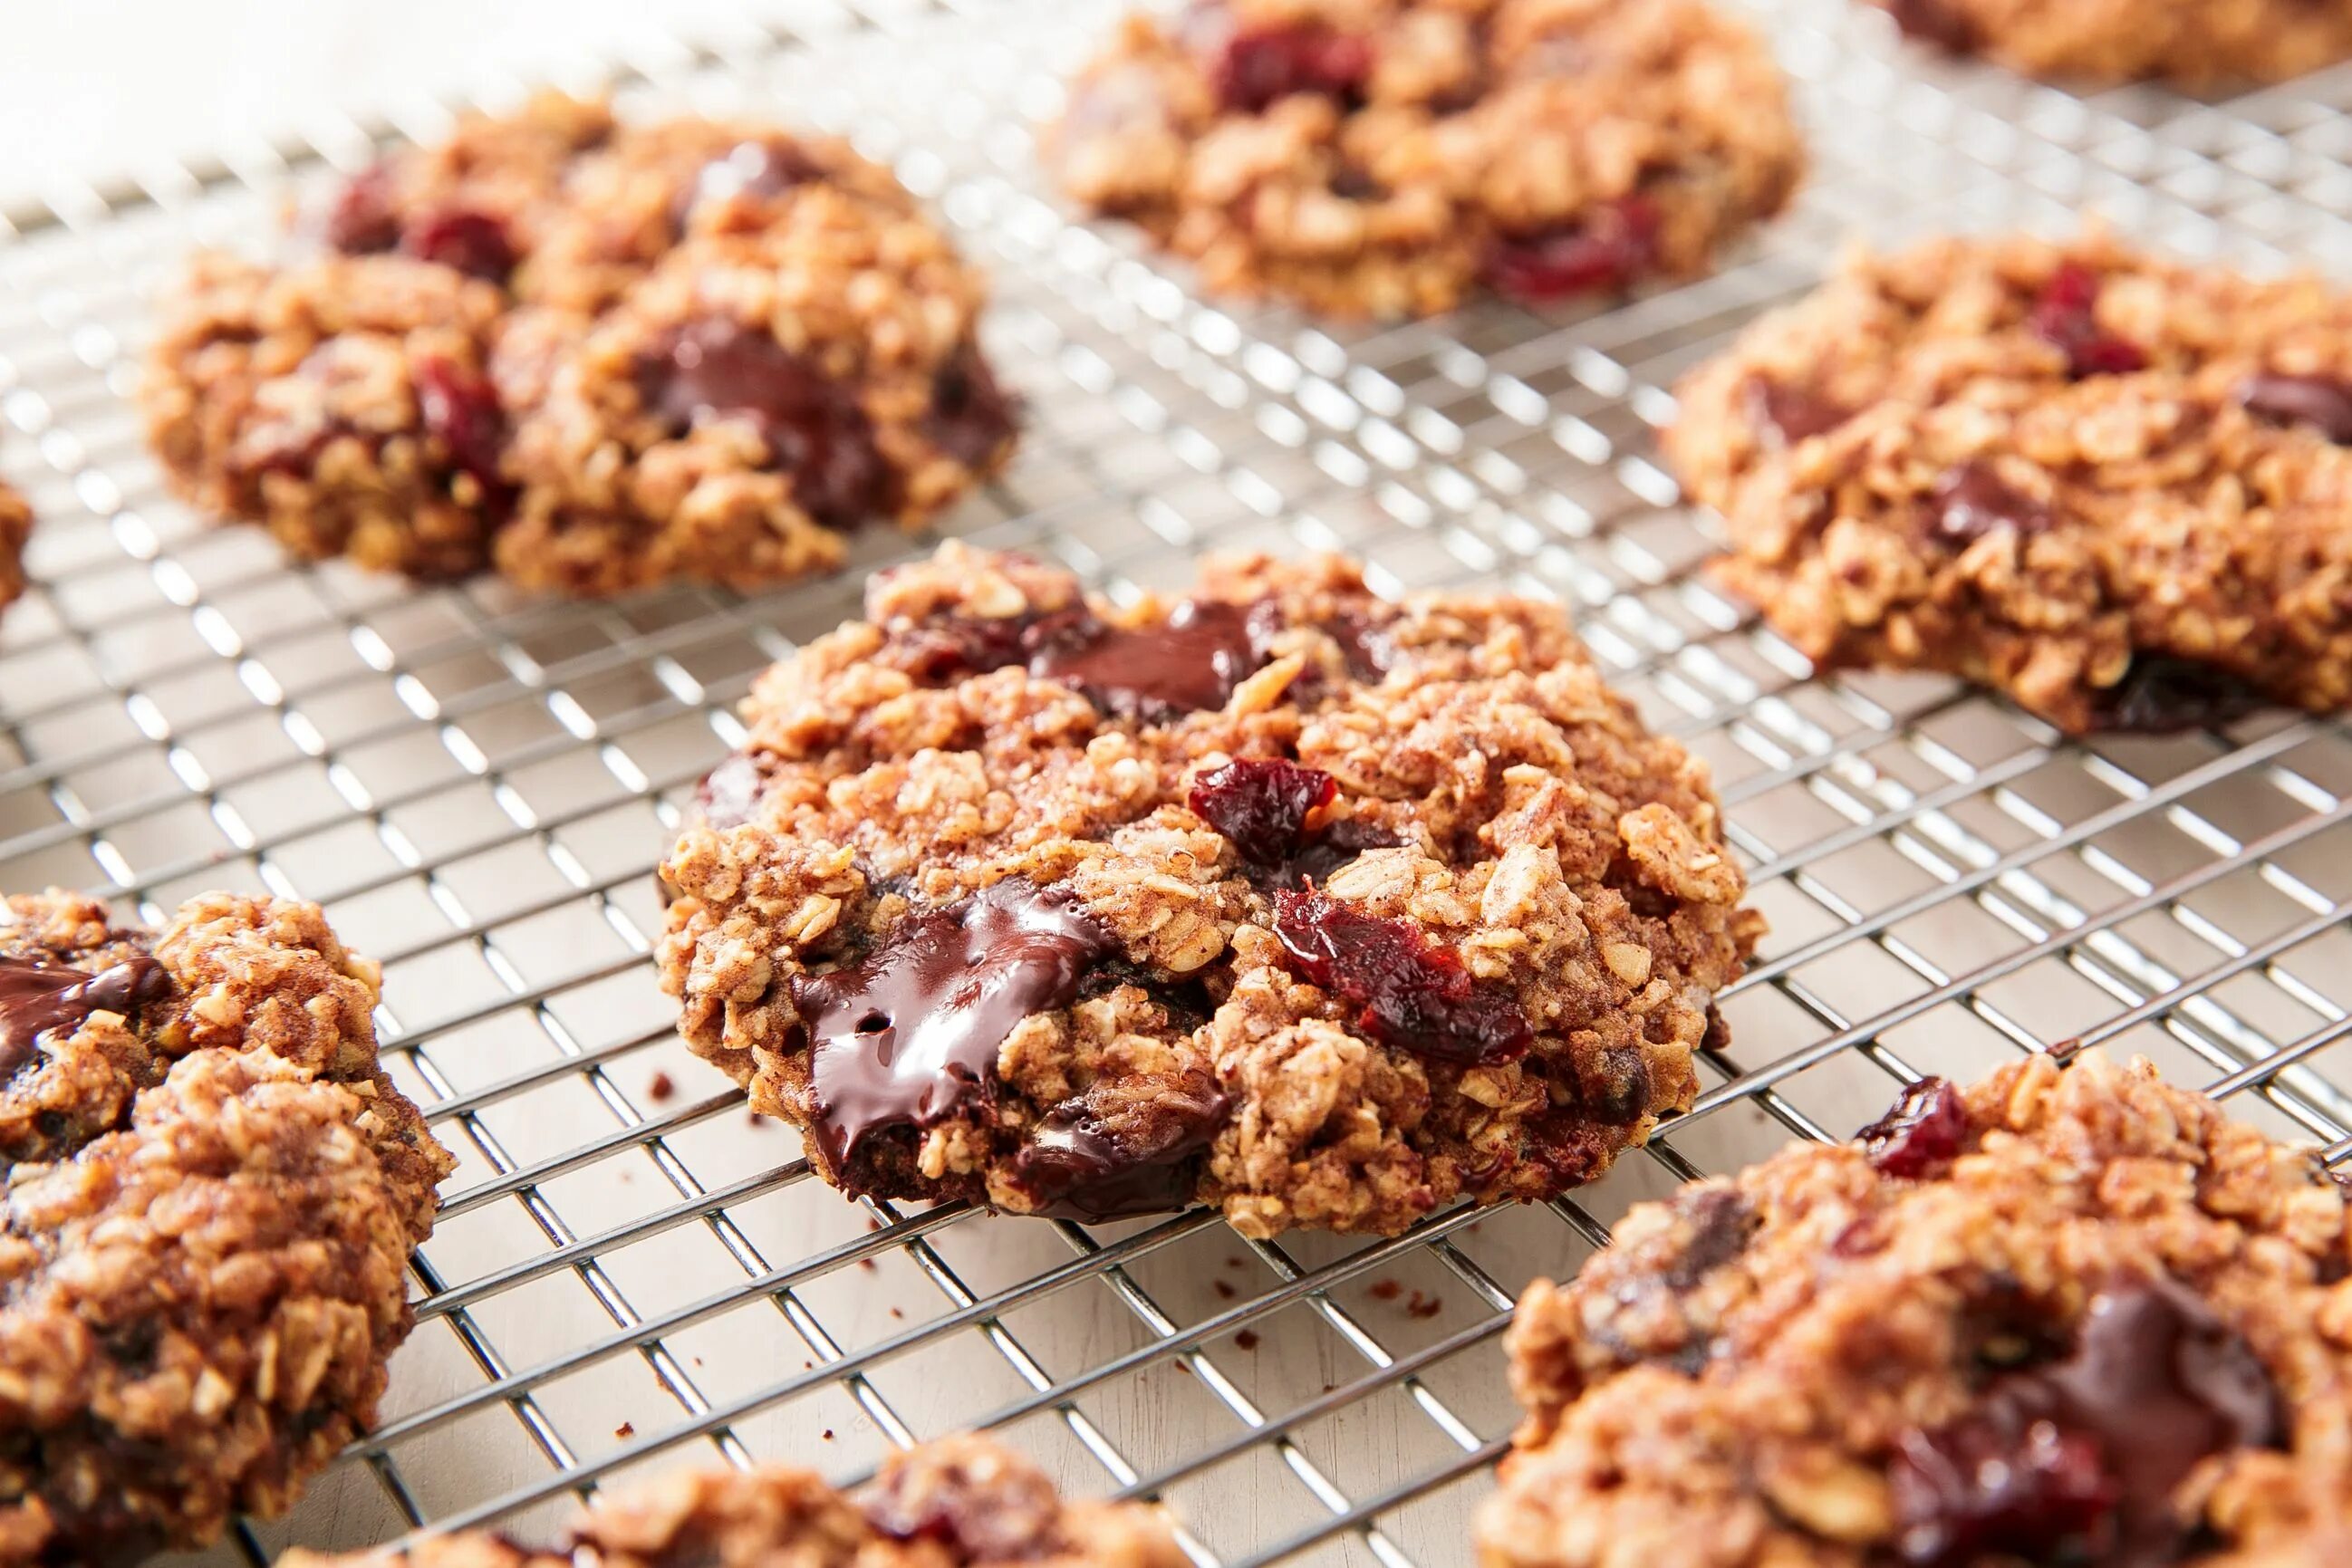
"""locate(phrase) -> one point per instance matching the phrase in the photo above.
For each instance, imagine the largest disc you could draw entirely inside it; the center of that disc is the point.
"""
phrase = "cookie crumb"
(626, 1430)
(1225, 1288)
(1385, 1290)
(1247, 1339)
(660, 1087)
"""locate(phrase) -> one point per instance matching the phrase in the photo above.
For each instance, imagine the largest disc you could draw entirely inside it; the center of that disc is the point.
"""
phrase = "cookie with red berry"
(2110, 485)
(589, 356)
(2069, 1315)
(1276, 896)
(1387, 158)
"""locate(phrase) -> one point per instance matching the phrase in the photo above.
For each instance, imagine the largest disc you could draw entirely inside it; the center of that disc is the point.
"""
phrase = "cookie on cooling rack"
(1386, 157)
(2111, 484)
(956, 1502)
(212, 1190)
(2196, 43)
(590, 357)
(16, 527)
(1277, 897)
(2065, 1316)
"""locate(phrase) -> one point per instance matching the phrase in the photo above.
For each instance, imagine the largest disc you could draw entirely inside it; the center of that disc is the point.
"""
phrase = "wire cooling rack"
(631, 1273)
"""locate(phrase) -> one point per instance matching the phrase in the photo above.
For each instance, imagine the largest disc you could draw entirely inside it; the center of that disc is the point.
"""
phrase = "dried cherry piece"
(1923, 1132)
(363, 220)
(1406, 991)
(1607, 250)
(474, 243)
(714, 369)
(2002, 1481)
(2065, 316)
(971, 417)
(1262, 804)
(1258, 66)
(459, 407)
(2322, 403)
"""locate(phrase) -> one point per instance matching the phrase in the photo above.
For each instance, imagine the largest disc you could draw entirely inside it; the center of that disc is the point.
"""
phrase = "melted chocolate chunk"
(1404, 990)
(729, 795)
(1973, 500)
(1607, 251)
(815, 431)
(1083, 1169)
(1721, 1222)
(1933, 22)
(971, 417)
(1368, 647)
(2065, 316)
(2323, 403)
(1189, 664)
(764, 170)
(38, 998)
(2163, 695)
(1922, 1134)
(2077, 1462)
(909, 1034)
(1790, 415)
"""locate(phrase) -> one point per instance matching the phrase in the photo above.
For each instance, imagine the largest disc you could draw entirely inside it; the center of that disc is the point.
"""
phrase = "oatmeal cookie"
(2065, 1316)
(2111, 484)
(16, 527)
(1282, 898)
(957, 1502)
(1385, 157)
(2195, 43)
(589, 357)
(212, 1190)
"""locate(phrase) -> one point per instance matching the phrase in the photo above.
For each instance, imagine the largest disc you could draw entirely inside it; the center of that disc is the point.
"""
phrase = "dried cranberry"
(1922, 1134)
(1261, 803)
(2065, 316)
(971, 417)
(815, 431)
(1258, 66)
(458, 406)
(1611, 247)
(2322, 403)
(1973, 500)
(2163, 695)
(2002, 1482)
(1407, 991)
(476, 243)
(363, 220)
(1790, 415)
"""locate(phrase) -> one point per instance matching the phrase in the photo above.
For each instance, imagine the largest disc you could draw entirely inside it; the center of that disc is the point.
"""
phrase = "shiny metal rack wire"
(631, 1273)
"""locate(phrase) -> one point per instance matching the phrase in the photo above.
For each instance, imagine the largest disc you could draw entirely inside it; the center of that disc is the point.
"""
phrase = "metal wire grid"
(628, 1268)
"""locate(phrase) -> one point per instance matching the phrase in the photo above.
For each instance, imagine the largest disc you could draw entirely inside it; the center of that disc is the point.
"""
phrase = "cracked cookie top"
(2069, 1315)
(1386, 157)
(2109, 484)
(212, 1192)
(1277, 896)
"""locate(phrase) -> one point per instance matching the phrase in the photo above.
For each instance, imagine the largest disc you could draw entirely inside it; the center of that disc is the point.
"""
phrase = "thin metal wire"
(478, 787)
